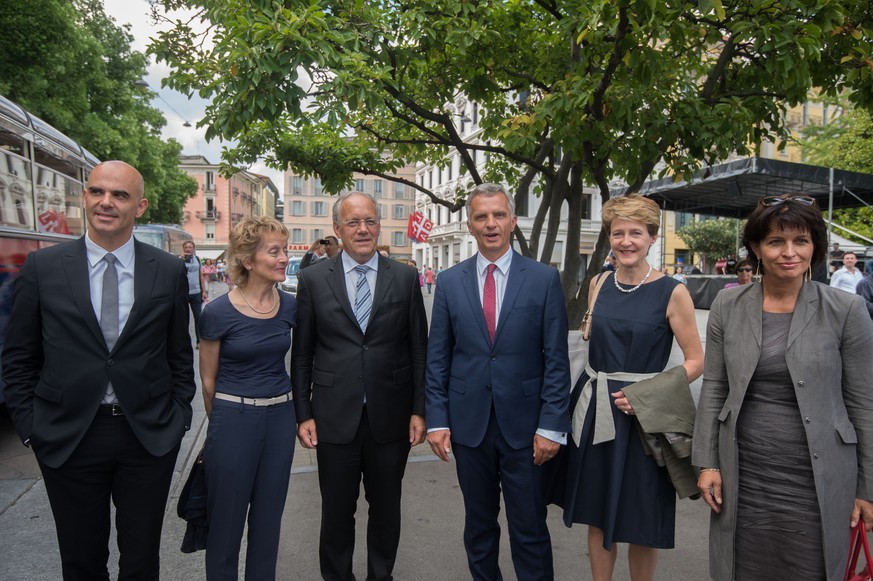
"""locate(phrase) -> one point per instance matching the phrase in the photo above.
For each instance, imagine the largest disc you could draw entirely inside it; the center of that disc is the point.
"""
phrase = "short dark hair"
(848, 252)
(789, 214)
(742, 263)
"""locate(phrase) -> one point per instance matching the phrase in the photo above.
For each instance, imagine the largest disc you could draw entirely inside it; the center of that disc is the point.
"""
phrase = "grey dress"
(778, 533)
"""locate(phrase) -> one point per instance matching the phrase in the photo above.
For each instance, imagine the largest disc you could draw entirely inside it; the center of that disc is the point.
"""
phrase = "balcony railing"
(208, 215)
(208, 187)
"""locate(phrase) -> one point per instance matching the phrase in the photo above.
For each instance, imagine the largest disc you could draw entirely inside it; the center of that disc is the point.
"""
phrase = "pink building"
(308, 210)
(222, 202)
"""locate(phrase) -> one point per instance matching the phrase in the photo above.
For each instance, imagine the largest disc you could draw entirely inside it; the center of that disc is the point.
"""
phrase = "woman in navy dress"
(614, 486)
(245, 337)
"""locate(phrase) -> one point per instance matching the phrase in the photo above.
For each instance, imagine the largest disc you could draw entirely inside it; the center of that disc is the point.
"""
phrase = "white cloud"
(137, 14)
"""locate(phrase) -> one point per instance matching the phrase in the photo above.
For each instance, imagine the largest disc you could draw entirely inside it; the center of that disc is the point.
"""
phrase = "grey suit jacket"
(830, 359)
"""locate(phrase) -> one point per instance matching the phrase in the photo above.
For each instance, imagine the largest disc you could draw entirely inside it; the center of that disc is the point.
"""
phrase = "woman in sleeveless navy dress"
(614, 486)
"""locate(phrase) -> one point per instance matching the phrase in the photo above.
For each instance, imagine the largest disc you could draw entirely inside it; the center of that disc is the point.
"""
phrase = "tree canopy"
(845, 143)
(712, 239)
(71, 65)
(570, 93)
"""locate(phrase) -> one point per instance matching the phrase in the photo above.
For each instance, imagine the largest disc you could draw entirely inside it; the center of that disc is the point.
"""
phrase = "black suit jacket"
(56, 363)
(334, 364)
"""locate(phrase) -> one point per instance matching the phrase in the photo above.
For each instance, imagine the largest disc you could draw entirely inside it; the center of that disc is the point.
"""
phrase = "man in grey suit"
(99, 379)
(358, 378)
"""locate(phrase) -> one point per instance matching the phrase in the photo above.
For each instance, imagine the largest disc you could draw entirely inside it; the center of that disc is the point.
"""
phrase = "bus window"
(16, 197)
(152, 238)
(59, 200)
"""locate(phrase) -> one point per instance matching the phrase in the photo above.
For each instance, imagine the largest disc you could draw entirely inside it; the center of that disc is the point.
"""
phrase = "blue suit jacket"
(525, 374)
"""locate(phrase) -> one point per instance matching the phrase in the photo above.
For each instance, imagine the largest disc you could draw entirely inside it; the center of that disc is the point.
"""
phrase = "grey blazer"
(830, 359)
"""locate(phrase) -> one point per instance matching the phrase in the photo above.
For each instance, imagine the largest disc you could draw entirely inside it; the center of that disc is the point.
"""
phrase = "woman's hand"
(709, 485)
(622, 403)
(862, 509)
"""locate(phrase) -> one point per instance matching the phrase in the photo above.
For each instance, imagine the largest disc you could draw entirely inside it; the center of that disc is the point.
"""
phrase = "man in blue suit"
(497, 387)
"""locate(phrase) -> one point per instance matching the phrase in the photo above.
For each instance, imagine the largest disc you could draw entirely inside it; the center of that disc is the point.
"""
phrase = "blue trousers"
(482, 472)
(248, 465)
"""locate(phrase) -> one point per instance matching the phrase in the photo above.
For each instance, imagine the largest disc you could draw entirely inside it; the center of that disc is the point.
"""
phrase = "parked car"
(290, 284)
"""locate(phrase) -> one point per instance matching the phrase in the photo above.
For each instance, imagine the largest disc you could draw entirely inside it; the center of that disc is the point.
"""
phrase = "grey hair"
(343, 197)
(489, 190)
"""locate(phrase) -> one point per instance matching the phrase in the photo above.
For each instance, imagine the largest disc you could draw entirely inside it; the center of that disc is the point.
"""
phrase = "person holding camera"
(196, 291)
(320, 250)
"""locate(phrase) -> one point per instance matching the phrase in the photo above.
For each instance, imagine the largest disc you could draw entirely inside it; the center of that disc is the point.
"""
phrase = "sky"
(177, 108)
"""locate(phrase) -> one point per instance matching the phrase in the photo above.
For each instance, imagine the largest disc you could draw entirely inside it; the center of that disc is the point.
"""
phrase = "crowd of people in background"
(779, 446)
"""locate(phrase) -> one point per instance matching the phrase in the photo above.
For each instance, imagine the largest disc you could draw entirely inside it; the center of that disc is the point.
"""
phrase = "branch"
(452, 206)
(550, 7)
(596, 108)
(717, 71)
(527, 77)
(383, 139)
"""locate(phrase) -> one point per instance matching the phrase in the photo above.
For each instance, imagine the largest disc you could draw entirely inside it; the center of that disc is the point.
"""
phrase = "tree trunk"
(572, 258)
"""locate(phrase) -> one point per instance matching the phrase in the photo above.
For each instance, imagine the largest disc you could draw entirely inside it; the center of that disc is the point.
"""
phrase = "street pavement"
(431, 547)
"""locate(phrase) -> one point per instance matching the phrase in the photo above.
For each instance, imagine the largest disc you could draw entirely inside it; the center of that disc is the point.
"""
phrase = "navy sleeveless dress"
(615, 486)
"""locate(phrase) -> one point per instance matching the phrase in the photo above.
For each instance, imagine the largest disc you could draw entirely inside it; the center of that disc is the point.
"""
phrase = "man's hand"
(544, 449)
(863, 509)
(315, 245)
(441, 443)
(416, 430)
(306, 434)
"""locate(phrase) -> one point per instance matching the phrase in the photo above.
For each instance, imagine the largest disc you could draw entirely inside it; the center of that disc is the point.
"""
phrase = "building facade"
(308, 210)
(450, 242)
(221, 202)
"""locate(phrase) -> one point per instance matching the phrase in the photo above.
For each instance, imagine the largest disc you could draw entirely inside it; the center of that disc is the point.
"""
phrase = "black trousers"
(196, 302)
(110, 464)
(340, 468)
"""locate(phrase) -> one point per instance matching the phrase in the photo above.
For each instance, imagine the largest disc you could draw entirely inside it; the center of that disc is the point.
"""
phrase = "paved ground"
(431, 547)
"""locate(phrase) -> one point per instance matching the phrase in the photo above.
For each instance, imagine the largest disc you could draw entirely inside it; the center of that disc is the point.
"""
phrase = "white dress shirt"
(349, 265)
(845, 280)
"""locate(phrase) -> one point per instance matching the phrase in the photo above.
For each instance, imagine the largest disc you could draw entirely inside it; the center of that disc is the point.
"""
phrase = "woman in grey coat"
(784, 429)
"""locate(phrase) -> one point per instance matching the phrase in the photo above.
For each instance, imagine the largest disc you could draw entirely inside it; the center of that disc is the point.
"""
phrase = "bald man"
(99, 379)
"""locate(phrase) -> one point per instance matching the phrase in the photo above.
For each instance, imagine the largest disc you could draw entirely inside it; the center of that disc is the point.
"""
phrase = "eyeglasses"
(776, 200)
(745, 269)
(355, 224)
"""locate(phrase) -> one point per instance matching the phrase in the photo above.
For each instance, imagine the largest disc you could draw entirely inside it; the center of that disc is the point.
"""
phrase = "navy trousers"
(482, 471)
(248, 466)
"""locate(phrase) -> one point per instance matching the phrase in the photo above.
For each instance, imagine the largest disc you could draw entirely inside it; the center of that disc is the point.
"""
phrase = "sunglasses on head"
(776, 200)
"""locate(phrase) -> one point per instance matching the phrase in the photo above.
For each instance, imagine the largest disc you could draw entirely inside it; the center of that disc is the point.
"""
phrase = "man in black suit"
(99, 379)
(358, 378)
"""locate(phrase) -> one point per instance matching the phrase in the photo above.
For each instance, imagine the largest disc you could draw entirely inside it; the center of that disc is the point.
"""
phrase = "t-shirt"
(251, 360)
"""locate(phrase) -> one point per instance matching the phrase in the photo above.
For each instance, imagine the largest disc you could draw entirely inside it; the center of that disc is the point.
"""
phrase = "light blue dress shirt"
(124, 266)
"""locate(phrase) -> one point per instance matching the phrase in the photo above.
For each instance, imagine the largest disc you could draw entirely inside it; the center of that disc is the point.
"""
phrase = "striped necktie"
(363, 298)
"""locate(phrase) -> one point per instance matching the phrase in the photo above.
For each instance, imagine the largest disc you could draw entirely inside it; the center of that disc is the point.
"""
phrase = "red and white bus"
(42, 172)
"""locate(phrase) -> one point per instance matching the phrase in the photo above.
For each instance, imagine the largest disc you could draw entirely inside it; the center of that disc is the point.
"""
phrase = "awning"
(212, 253)
(732, 189)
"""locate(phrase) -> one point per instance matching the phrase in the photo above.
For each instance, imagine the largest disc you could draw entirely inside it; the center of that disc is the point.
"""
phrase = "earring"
(807, 276)
(758, 271)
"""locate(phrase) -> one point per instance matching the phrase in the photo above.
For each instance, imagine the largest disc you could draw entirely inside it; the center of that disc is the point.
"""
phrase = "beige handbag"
(588, 318)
